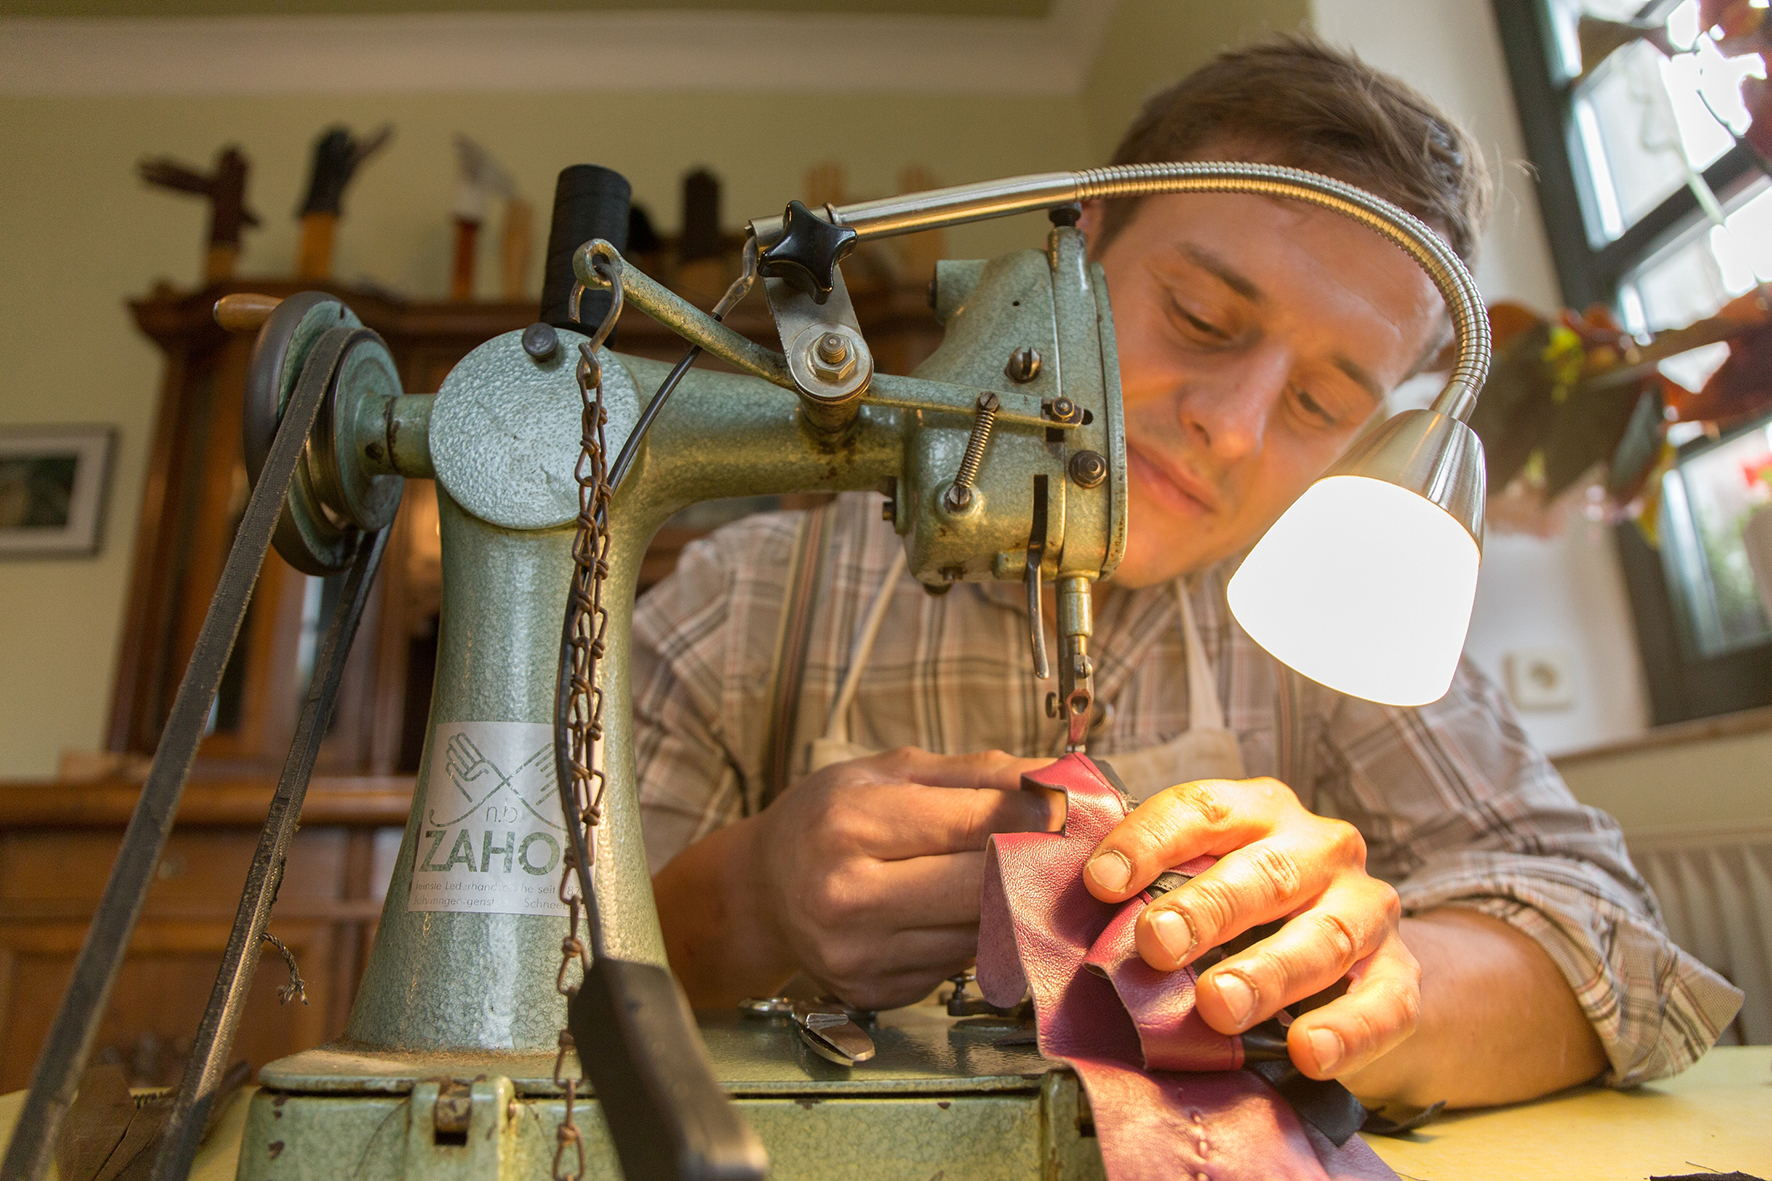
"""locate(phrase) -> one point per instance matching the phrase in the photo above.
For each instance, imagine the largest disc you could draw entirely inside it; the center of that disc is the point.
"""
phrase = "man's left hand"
(1276, 861)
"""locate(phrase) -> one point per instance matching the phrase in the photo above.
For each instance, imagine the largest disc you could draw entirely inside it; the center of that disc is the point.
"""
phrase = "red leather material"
(1110, 1016)
(1171, 1035)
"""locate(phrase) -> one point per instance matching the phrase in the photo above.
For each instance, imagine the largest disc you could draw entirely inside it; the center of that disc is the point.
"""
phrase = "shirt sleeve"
(1459, 809)
(703, 648)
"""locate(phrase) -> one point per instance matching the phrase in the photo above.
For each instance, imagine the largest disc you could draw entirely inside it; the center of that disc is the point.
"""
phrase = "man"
(1497, 943)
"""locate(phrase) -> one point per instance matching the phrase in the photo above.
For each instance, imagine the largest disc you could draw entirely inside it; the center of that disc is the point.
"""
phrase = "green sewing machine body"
(458, 1012)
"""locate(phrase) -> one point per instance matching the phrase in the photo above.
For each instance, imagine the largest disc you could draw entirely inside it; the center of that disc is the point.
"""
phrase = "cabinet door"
(50, 882)
(160, 996)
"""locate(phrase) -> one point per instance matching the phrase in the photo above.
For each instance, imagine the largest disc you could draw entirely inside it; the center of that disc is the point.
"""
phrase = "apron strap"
(836, 727)
(1204, 710)
(805, 572)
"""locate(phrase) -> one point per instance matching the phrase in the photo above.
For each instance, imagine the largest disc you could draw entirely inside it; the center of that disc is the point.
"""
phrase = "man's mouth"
(1171, 484)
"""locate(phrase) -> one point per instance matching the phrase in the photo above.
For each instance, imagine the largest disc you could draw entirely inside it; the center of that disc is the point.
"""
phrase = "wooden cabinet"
(56, 846)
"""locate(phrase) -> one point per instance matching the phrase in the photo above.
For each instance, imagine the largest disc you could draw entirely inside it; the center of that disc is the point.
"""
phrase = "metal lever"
(667, 1115)
(1037, 560)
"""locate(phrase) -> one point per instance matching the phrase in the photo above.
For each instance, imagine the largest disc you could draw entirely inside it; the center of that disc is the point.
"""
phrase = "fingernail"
(1238, 996)
(1326, 1045)
(1174, 932)
(1111, 871)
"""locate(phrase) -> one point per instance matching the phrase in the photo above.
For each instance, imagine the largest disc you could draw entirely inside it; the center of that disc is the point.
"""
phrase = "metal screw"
(831, 357)
(959, 493)
(540, 341)
(1063, 409)
(1088, 469)
(1023, 366)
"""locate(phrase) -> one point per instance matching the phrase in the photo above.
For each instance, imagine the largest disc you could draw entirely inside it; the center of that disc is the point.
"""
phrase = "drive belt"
(64, 1055)
(208, 1063)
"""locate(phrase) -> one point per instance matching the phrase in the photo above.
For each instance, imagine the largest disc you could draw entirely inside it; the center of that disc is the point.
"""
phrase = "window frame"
(1682, 684)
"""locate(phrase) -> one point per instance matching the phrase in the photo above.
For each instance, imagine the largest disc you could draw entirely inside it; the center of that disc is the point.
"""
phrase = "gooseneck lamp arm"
(961, 204)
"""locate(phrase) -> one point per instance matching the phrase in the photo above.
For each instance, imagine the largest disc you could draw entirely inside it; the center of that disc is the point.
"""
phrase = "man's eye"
(1203, 327)
(1314, 408)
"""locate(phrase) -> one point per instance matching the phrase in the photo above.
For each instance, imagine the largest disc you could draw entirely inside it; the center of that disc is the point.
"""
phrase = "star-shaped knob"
(808, 251)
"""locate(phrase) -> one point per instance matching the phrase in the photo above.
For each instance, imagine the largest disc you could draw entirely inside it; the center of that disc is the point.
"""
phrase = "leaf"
(1585, 429)
(1639, 449)
(1516, 405)
(1742, 387)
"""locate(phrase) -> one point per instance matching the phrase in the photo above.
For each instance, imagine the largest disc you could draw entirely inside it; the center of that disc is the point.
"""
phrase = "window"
(1655, 209)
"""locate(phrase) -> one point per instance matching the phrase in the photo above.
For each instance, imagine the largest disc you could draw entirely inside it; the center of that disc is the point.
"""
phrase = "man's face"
(1255, 337)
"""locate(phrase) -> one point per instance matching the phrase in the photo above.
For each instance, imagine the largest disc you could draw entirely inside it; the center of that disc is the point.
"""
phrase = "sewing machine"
(1002, 457)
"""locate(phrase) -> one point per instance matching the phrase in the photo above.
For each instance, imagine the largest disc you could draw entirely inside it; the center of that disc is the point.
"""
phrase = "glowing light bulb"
(1366, 583)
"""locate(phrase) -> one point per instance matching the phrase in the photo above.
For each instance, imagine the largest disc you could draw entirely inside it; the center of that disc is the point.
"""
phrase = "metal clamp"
(826, 1026)
(827, 356)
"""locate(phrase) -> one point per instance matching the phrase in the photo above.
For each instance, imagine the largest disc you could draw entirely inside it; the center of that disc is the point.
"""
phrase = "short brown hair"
(1298, 101)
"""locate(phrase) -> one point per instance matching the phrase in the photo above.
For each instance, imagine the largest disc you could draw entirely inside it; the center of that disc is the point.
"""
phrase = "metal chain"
(586, 628)
(566, 1137)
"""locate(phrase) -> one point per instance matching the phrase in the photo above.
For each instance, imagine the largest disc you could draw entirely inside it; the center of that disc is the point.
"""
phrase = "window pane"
(1631, 135)
(1706, 502)
(1644, 120)
(1704, 271)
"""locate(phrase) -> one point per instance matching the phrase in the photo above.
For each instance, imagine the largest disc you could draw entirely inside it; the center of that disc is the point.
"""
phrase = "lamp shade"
(1365, 584)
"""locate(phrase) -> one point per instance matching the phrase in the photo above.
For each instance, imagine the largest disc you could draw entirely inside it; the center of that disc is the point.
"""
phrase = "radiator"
(1715, 887)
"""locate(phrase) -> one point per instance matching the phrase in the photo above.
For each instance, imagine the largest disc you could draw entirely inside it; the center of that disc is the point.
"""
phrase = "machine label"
(492, 833)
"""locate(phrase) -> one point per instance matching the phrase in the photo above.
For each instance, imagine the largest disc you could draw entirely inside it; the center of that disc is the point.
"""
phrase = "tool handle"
(668, 1117)
(589, 202)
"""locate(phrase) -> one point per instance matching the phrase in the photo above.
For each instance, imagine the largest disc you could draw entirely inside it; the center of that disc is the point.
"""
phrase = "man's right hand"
(865, 876)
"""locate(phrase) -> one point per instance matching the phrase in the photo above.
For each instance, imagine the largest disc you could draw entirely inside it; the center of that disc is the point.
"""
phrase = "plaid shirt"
(1457, 807)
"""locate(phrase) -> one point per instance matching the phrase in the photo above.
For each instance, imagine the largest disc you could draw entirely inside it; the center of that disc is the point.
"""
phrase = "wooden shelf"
(361, 800)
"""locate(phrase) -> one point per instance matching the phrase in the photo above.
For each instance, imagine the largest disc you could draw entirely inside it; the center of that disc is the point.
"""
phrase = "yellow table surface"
(1716, 1117)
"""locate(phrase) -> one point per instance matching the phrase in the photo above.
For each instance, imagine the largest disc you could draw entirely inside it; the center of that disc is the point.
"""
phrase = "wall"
(1565, 592)
(1149, 44)
(1714, 782)
(82, 236)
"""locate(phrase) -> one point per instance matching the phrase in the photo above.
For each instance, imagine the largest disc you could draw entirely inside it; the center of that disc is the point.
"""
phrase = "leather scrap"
(1167, 1095)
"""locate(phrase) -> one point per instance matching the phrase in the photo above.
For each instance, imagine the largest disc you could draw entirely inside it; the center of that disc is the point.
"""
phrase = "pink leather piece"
(1040, 927)
(1171, 1035)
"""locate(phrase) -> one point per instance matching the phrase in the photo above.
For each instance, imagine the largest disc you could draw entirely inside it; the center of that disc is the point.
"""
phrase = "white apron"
(1205, 750)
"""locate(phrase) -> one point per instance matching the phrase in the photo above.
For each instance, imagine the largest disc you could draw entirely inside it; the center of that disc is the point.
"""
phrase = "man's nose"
(1228, 411)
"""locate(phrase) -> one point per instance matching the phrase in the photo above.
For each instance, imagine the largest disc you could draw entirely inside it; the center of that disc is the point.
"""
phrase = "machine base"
(939, 1098)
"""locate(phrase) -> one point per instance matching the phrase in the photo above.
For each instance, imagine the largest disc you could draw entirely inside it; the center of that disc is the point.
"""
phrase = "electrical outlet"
(1540, 678)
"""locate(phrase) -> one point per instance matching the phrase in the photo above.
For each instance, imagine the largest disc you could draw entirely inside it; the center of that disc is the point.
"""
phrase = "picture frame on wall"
(53, 481)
